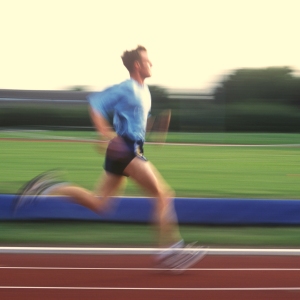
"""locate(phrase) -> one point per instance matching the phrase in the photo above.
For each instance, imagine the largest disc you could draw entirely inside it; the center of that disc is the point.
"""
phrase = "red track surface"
(44, 276)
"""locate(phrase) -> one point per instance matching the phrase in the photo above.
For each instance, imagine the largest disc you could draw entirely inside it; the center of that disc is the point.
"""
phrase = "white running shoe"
(178, 259)
(187, 258)
(37, 186)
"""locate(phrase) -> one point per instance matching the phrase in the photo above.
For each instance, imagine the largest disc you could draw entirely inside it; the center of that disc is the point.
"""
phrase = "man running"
(127, 106)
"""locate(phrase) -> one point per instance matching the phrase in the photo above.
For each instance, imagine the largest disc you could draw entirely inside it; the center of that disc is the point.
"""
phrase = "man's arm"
(159, 125)
(104, 129)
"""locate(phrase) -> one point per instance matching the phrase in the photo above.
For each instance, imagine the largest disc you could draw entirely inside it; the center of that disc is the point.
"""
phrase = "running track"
(63, 275)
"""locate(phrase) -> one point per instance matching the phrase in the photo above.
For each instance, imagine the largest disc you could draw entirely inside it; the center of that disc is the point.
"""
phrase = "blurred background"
(220, 66)
(228, 70)
(246, 100)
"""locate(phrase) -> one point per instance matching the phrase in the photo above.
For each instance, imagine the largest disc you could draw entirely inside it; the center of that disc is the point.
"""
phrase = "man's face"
(145, 65)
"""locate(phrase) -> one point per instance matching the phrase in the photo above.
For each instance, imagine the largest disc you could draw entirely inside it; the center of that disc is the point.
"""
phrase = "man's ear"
(136, 64)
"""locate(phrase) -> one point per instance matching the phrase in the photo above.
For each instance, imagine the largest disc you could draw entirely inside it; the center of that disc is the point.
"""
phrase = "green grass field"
(269, 172)
(192, 171)
(116, 235)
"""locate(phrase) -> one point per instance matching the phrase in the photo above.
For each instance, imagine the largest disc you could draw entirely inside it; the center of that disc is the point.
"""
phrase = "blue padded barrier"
(189, 211)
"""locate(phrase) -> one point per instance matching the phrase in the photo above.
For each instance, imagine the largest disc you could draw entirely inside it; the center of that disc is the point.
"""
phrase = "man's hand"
(101, 146)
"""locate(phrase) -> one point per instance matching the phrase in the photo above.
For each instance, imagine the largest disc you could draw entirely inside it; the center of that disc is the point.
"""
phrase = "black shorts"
(120, 152)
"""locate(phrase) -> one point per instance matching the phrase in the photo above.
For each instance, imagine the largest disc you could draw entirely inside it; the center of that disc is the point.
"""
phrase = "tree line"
(247, 100)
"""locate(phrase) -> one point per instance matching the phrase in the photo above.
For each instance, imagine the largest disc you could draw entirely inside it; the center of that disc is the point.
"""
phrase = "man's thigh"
(109, 184)
(146, 175)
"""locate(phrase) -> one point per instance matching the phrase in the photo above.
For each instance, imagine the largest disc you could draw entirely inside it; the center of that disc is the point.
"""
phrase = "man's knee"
(166, 196)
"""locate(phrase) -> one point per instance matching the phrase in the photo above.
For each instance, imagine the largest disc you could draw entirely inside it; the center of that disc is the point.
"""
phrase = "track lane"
(92, 276)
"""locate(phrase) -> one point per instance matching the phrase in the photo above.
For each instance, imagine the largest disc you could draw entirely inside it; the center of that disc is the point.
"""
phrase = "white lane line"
(148, 251)
(155, 288)
(152, 269)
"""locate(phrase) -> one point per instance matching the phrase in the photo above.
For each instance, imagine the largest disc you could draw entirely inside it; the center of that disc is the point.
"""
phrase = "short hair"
(129, 57)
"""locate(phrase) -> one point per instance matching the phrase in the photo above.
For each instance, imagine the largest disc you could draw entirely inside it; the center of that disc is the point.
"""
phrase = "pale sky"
(57, 44)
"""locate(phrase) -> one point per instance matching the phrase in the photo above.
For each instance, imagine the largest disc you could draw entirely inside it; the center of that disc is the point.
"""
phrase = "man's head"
(137, 61)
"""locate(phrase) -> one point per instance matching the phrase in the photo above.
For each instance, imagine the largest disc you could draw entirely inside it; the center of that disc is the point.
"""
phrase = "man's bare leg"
(146, 175)
(110, 183)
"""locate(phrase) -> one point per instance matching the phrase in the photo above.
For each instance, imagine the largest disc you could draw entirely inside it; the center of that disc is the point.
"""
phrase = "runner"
(127, 106)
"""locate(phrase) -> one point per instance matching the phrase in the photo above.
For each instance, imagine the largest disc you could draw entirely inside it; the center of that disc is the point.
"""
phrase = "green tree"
(268, 84)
